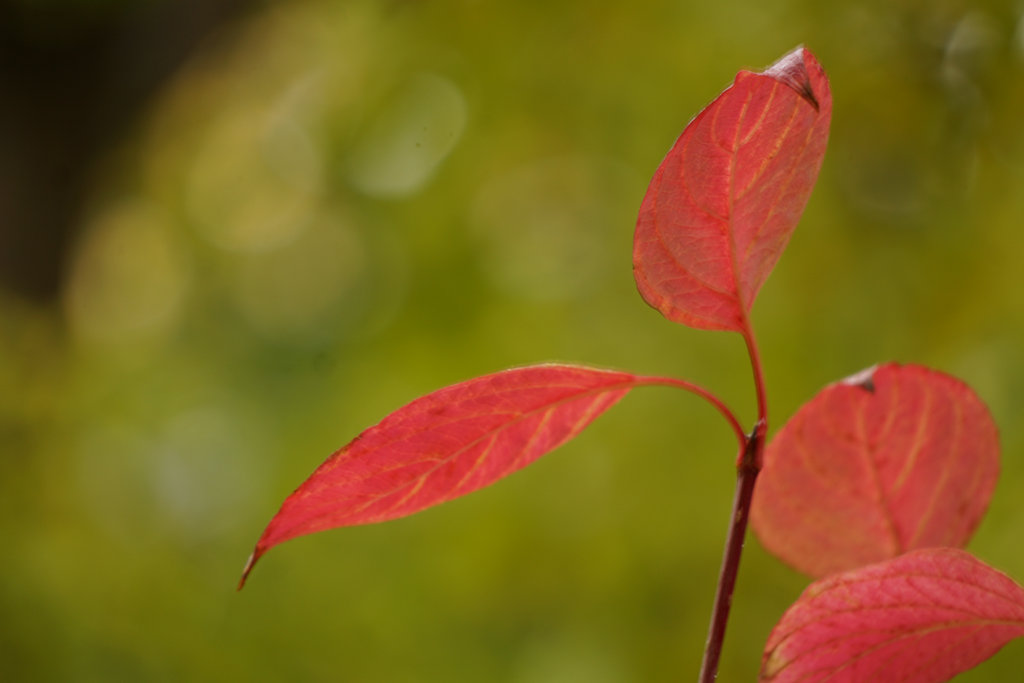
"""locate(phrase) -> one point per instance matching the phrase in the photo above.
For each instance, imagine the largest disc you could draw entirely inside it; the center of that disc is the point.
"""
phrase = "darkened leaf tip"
(865, 379)
(792, 70)
(249, 564)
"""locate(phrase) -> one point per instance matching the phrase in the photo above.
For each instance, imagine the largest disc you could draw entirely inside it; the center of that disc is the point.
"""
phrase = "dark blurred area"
(75, 77)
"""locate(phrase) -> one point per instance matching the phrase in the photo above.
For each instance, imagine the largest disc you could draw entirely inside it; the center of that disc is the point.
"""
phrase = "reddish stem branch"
(755, 365)
(698, 390)
(746, 476)
(748, 466)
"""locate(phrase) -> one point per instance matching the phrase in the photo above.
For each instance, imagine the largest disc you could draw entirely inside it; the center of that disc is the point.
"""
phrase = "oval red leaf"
(896, 458)
(725, 200)
(920, 618)
(447, 444)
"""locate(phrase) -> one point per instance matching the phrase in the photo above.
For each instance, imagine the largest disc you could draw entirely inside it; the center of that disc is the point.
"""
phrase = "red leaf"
(896, 458)
(725, 200)
(920, 618)
(447, 444)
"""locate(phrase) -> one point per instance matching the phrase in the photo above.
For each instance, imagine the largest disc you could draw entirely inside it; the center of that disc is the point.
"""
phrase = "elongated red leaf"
(726, 198)
(896, 458)
(920, 618)
(447, 444)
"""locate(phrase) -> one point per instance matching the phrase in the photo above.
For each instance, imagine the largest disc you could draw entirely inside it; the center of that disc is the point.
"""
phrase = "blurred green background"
(331, 208)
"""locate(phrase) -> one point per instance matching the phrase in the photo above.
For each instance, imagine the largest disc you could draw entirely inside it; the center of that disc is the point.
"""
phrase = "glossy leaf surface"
(725, 200)
(896, 458)
(920, 618)
(447, 444)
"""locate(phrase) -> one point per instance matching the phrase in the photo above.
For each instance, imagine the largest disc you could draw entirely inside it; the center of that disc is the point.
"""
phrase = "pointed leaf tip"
(249, 564)
(923, 617)
(724, 202)
(795, 70)
(892, 459)
(865, 379)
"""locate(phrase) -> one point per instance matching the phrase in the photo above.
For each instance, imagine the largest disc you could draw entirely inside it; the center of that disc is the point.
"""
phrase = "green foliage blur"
(338, 206)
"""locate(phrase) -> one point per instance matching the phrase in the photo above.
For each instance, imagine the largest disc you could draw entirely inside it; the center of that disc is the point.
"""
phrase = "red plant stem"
(748, 465)
(755, 365)
(698, 390)
(746, 476)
